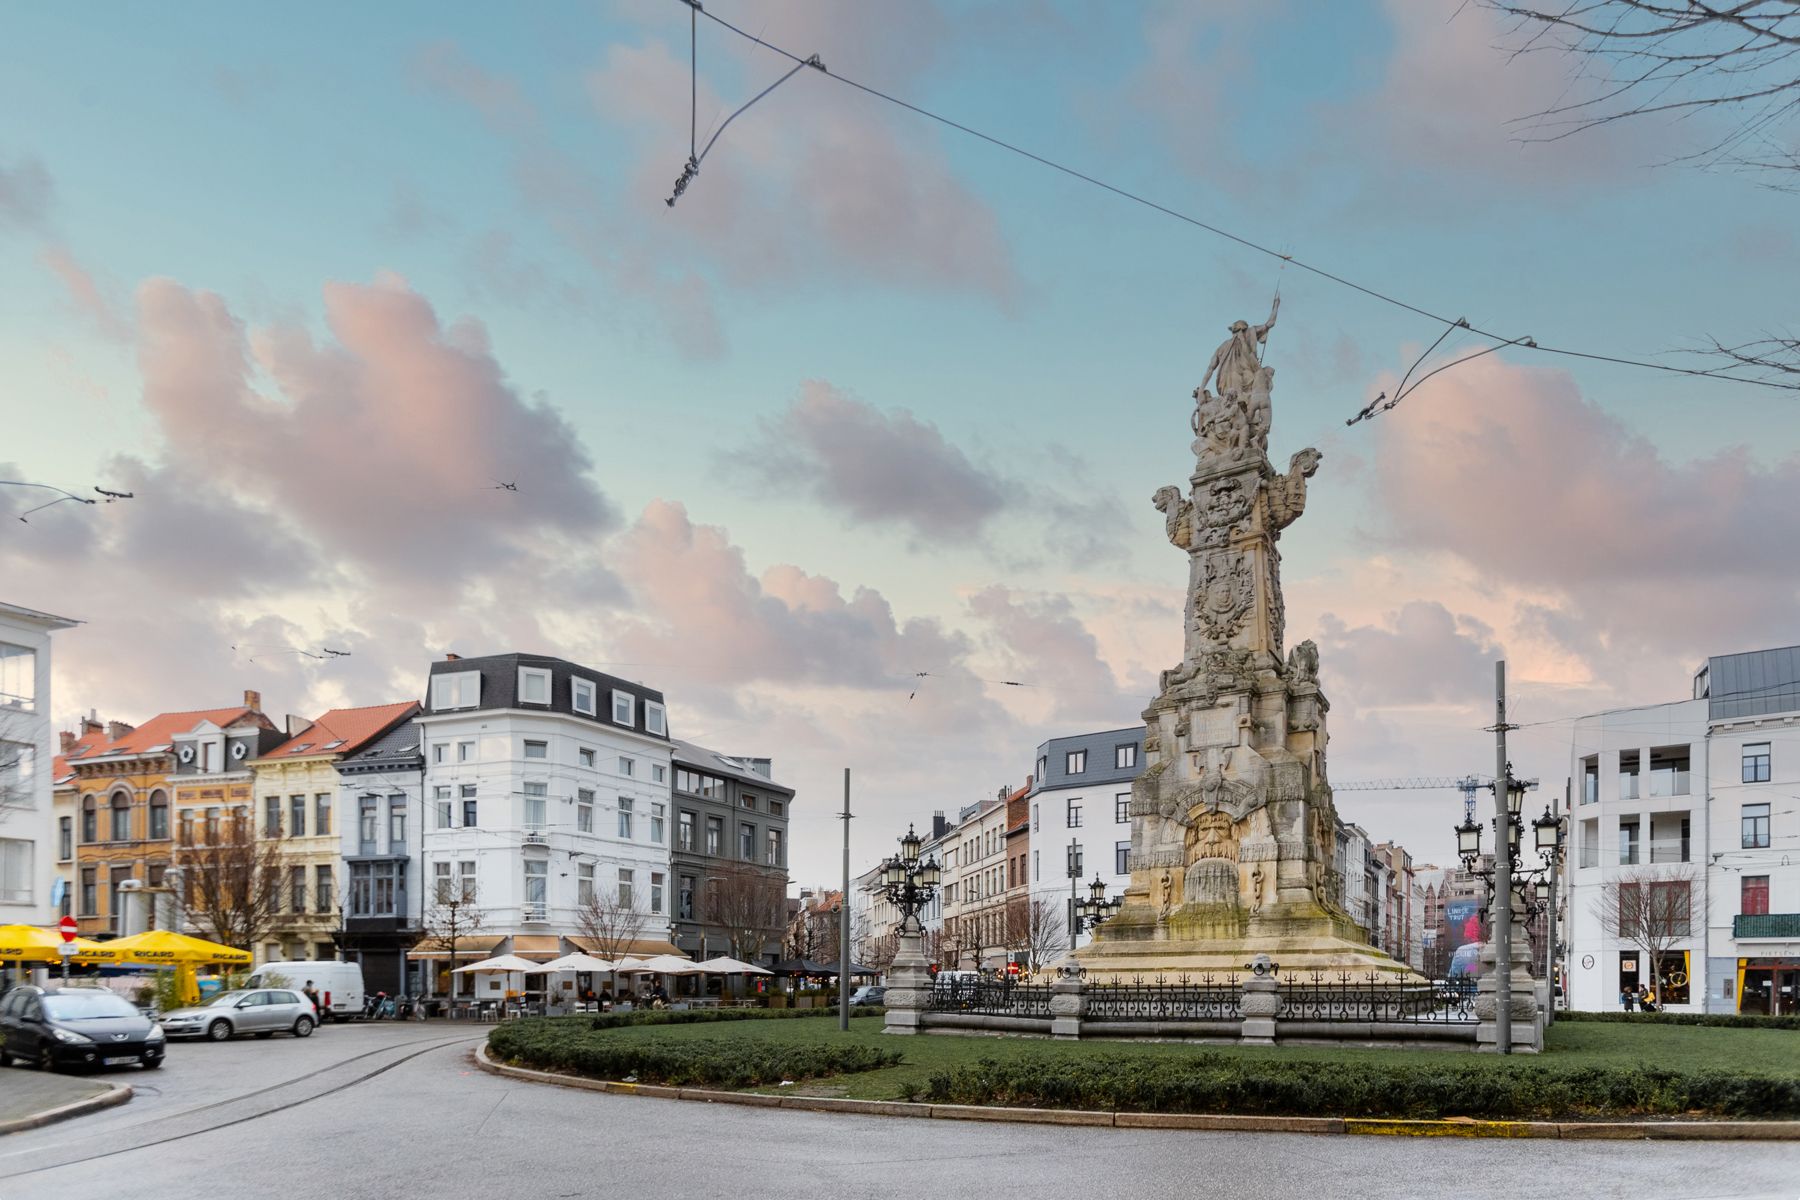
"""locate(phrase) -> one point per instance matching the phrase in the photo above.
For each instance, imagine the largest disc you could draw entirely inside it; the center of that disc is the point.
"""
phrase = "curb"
(116, 1094)
(1458, 1127)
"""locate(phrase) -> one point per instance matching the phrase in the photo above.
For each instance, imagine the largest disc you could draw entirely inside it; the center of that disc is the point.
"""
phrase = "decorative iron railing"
(989, 998)
(1205, 997)
(1373, 998)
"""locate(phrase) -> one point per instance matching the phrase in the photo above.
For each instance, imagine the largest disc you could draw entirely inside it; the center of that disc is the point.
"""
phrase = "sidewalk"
(29, 1099)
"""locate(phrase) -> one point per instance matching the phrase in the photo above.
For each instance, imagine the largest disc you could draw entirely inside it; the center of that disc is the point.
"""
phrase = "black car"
(75, 1027)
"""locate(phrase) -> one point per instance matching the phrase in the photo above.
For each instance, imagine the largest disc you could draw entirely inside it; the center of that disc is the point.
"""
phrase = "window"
(1756, 826)
(623, 712)
(1669, 837)
(715, 835)
(1075, 813)
(379, 889)
(1043, 771)
(625, 765)
(1756, 763)
(185, 835)
(584, 810)
(747, 842)
(775, 858)
(65, 839)
(685, 898)
(440, 879)
(586, 756)
(89, 896)
(1671, 907)
(272, 816)
(537, 883)
(90, 821)
(1628, 841)
(297, 889)
(659, 773)
(747, 800)
(698, 784)
(654, 720)
(465, 752)
(656, 891)
(322, 893)
(537, 804)
(15, 871)
(117, 876)
(121, 817)
(296, 816)
(627, 877)
(469, 809)
(1590, 780)
(1122, 808)
(321, 814)
(684, 830)
(159, 816)
(459, 690)
(657, 812)
(1669, 771)
(534, 685)
(1076, 762)
(441, 804)
(396, 824)
(1125, 757)
(1753, 897)
(366, 820)
(1628, 775)
(581, 696)
(18, 677)
(440, 751)
(625, 816)
(1034, 818)
(465, 882)
(1590, 843)
(1121, 858)
(537, 749)
(584, 884)
(776, 807)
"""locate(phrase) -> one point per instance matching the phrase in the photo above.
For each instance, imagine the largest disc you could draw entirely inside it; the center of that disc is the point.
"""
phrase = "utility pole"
(844, 921)
(1503, 869)
(1555, 867)
(1074, 882)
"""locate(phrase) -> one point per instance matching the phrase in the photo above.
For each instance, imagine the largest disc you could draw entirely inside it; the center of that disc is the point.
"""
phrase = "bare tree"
(1034, 927)
(877, 950)
(452, 916)
(746, 903)
(1651, 910)
(611, 920)
(232, 881)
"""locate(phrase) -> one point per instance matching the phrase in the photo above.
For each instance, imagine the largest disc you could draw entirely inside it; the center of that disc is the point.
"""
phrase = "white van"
(339, 984)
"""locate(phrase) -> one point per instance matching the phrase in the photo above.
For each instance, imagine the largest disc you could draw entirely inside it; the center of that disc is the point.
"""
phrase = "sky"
(868, 423)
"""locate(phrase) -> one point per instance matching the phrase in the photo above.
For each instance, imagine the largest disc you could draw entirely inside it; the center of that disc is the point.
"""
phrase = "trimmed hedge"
(706, 1016)
(559, 1044)
(1214, 1083)
(1714, 1020)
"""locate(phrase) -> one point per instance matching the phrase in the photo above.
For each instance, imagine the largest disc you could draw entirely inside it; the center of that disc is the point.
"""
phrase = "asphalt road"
(395, 1111)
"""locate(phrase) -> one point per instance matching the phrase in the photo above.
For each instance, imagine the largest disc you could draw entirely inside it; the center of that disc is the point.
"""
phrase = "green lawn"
(1572, 1047)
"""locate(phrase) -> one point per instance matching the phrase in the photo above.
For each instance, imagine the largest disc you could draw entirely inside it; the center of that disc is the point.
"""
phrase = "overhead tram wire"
(1719, 373)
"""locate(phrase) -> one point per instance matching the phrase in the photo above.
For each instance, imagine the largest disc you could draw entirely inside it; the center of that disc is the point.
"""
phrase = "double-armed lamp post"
(1095, 908)
(909, 883)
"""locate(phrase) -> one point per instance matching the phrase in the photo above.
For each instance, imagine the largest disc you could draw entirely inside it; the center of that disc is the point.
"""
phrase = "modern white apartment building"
(546, 784)
(1081, 814)
(27, 822)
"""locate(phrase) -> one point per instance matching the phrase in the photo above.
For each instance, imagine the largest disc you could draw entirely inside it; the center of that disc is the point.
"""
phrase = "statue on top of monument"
(1233, 425)
(1237, 362)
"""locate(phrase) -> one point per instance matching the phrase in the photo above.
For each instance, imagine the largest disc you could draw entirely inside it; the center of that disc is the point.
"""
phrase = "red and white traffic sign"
(67, 928)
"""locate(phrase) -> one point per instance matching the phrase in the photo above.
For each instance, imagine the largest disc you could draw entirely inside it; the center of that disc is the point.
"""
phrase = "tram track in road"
(49, 1158)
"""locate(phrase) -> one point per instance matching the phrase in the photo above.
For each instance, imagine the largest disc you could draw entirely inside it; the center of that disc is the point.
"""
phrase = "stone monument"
(1232, 825)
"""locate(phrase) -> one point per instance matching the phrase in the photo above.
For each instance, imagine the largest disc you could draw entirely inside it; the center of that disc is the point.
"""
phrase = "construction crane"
(1468, 785)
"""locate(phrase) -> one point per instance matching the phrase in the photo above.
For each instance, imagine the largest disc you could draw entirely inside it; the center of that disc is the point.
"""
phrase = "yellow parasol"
(162, 947)
(32, 943)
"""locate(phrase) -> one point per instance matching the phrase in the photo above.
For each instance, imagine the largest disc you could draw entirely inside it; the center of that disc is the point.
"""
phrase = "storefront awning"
(471, 948)
(542, 946)
(639, 948)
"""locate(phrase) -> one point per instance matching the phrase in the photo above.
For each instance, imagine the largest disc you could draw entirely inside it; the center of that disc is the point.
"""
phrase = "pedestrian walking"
(1627, 1000)
(312, 996)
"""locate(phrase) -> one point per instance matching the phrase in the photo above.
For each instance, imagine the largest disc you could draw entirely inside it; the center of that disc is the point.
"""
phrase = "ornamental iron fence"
(1206, 997)
(1373, 998)
(988, 998)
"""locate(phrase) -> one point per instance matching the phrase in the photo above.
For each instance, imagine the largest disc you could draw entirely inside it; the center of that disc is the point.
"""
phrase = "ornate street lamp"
(908, 883)
(1547, 830)
(909, 847)
(1468, 842)
(1096, 907)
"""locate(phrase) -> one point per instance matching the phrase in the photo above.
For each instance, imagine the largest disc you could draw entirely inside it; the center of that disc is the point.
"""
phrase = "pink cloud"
(85, 293)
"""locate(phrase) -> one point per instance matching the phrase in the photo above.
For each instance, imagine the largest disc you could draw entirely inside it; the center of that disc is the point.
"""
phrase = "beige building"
(295, 790)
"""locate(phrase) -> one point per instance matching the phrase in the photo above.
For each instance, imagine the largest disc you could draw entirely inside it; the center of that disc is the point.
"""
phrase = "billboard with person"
(1462, 923)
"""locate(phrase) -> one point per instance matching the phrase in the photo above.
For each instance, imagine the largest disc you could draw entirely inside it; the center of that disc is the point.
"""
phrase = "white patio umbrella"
(504, 962)
(573, 962)
(726, 965)
(660, 964)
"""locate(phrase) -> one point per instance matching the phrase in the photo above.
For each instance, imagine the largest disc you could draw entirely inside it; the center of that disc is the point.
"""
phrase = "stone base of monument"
(1302, 937)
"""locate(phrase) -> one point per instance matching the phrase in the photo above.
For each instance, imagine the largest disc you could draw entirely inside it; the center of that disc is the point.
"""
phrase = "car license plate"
(119, 1062)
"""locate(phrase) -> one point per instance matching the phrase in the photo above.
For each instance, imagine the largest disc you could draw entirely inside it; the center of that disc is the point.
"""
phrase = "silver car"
(262, 1011)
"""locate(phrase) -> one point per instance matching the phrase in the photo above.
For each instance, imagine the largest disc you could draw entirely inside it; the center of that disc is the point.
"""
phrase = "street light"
(1468, 841)
(908, 883)
(1096, 907)
(1547, 830)
(1515, 796)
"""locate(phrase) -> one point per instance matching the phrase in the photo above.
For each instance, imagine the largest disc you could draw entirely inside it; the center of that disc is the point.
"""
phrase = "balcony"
(536, 836)
(534, 913)
(1766, 925)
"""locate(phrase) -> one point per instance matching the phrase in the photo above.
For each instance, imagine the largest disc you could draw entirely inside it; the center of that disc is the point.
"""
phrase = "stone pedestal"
(908, 985)
(1068, 1003)
(1527, 1016)
(1261, 1001)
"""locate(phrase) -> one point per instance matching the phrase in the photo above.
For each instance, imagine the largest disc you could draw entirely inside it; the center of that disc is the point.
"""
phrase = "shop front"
(1769, 987)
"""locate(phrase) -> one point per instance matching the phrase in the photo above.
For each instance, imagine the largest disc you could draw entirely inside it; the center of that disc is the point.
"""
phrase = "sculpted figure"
(1237, 363)
(1178, 514)
(1211, 836)
(1165, 894)
(1303, 662)
(1287, 493)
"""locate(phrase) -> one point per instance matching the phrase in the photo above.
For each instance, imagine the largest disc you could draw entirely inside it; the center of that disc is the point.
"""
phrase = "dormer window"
(534, 685)
(461, 690)
(582, 696)
(654, 719)
(622, 709)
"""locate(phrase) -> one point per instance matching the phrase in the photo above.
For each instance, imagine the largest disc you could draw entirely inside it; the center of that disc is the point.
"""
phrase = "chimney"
(938, 824)
(91, 722)
(452, 658)
(68, 740)
(117, 729)
(1004, 791)
(252, 700)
